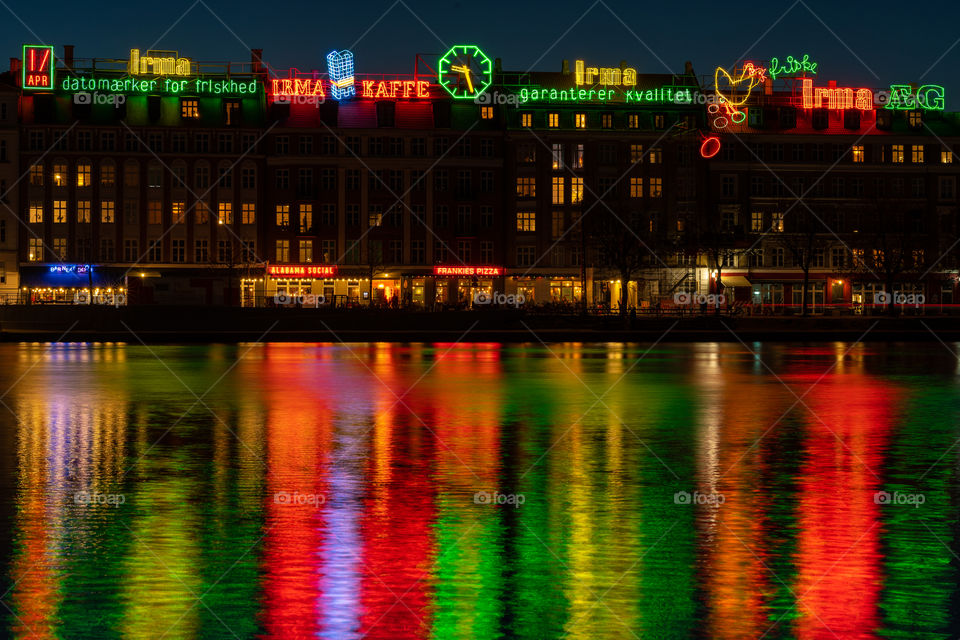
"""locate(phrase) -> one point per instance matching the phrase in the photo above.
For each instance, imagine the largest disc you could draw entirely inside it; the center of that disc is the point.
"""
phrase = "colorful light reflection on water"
(295, 491)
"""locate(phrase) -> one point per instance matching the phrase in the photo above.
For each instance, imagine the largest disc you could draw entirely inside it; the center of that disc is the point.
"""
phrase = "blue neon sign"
(340, 72)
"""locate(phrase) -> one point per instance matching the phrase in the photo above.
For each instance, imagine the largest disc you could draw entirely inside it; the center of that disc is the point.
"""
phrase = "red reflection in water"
(839, 578)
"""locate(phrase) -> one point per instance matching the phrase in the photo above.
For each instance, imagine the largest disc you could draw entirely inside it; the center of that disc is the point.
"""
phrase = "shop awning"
(734, 281)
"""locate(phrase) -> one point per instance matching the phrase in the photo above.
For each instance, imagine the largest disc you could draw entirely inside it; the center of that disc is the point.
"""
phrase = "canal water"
(479, 491)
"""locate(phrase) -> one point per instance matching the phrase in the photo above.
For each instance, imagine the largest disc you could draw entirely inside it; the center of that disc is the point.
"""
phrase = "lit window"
(526, 188)
(36, 211)
(108, 175)
(106, 211)
(60, 248)
(557, 150)
(633, 121)
(576, 190)
(636, 187)
(655, 155)
(486, 112)
(59, 210)
(283, 215)
(306, 218)
(526, 120)
(83, 211)
(225, 213)
(248, 213)
(916, 154)
(553, 120)
(659, 121)
(578, 157)
(656, 187)
(526, 221)
(59, 175)
(177, 212)
(36, 175)
(896, 154)
(306, 251)
(636, 153)
(202, 212)
(915, 118)
(283, 251)
(946, 156)
(580, 120)
(36, 250)
(776, 221)
(83, 174)
(858, 153)
(606, 120)
(558, 189)
(190, 109)
(756, 221)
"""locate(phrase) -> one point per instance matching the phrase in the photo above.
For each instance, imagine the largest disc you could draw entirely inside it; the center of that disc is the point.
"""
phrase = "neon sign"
(293, 86)
(157, 65)
(603, 75)
(171, 86)
(751, 76)
(791, 66)
(465, 71)
(70, 268)
(395, 89)
(302, 270)
(836, 97)
(674, 95)
(340, 71)
(468, 271)
(928, 97)
(37, 69)
(710, 147)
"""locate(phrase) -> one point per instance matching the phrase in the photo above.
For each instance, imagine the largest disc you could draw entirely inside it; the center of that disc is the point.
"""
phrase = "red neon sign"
(294, 87)
(468, 271)
(395, 89)
(836, 97)
(302, 270)
(710, 147)
(37, 67)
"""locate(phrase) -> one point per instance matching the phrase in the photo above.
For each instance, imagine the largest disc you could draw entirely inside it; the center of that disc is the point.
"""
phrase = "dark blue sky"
(897, 41)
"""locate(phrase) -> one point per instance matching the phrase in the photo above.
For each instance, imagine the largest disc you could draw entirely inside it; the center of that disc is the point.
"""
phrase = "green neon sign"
(465, 71)
(661, 95)
(791, 66)
(928, 97)
(128, 85)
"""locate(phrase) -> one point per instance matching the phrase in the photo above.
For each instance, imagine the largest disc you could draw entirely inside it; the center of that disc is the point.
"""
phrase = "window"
(201, 251)
(556, 224)
(580, 120)
(154, 250)
(576, 190)
(283, 251)
(525, 256)
(60, 248)
(947, 187)
(83, 211)
(896, 153)
(283, 215)
(526, 120)
(83, 174)
(526, 221)
(578, 157)
(179, 250)
(656, 187)
(858, 153)
(756, 221)
(656, 155)
(202, 213)
(946, 156)
(557, 155)
(59, 174)
(659, 121)
(225, 213)
(329, 250)
(558, 189)
(190, 108)
(916, 154)
(777, 257)
(248, 213)
(130, 213)
(606, 120)
(728, 186)
(915, 118)
(306, 250)
(374, 216)
(248, 178)
(59, 211)
(281, 145)
(224, 177)
(306, 218)
(486, 112)
(553, 120)
(636, 187)
(636, 153)
(106, 249)
(131, 251)
(106, 211)
(36, 250)
(463, 250)
(305, 145)
(526, 187)
(776, 221)
(633, 121)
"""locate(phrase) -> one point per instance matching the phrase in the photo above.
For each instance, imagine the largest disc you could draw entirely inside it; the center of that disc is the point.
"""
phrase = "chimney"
(688, 68)
(256, 59)
(623, 65)
(68, 56)
(565, 69)
(14, 66)
(497, 66)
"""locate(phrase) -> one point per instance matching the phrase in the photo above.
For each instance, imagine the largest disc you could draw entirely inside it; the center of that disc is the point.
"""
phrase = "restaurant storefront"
(467, 286)
(73, 284)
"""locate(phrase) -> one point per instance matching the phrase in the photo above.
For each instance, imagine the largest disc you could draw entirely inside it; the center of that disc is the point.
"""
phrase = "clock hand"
(465, 70)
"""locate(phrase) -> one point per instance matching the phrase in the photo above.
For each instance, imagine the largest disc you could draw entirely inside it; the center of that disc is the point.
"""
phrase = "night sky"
(867, 44)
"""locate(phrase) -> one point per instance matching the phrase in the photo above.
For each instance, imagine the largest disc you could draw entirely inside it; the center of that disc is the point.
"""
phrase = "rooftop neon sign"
(157, 65)
(929, 97)
(38, 65)
(168, 86)
(607, 76)
(340, 71)
(660, 95)
(791, 66)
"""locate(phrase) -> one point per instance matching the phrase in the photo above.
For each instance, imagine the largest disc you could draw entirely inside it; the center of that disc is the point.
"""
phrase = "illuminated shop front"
(556, 289)
(73, 284)
(462, 287)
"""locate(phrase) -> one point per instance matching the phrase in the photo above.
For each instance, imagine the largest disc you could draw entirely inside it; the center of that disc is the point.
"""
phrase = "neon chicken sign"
(740, 88)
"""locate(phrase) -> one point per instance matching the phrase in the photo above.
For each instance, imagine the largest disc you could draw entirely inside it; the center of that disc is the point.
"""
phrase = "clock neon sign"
(465, 71)
(37, 71)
